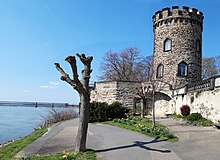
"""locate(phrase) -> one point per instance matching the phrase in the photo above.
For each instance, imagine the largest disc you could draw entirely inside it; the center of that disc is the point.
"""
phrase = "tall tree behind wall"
(127, 65)
(210, 67)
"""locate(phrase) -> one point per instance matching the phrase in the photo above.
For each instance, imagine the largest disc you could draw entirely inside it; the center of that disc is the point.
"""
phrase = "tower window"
(198, 46)
(182, 69)
(160, 71)
(167, 45)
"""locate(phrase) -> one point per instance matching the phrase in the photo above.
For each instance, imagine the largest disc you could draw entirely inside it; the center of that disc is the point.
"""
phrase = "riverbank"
(17, 122)
(9, 151)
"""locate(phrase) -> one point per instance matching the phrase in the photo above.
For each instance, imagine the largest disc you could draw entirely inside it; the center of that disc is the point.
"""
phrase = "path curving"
(195, 143)
(109, 143)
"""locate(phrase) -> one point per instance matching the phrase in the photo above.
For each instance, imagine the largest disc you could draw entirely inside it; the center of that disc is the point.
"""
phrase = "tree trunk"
(153, 108)
(82, 87)
(84, 110)
(142, 108)
(83, 124)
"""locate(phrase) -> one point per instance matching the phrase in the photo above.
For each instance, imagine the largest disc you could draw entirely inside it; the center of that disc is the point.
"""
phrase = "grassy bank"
(9, 151)
(88, 155)
(144, 126)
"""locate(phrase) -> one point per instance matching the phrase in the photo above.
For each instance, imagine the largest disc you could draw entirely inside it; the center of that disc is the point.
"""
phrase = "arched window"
(198, 46)
(160, 71)
(182, 69)
(167, 45)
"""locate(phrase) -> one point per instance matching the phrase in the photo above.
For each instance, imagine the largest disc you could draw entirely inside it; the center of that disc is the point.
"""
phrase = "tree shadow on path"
(136, 144)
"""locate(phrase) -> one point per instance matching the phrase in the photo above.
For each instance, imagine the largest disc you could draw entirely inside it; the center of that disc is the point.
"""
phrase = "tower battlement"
(186, 15)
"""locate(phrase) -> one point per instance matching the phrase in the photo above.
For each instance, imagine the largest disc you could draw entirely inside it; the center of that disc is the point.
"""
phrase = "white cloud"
(51, 85)
(54, 83)
(44, 86)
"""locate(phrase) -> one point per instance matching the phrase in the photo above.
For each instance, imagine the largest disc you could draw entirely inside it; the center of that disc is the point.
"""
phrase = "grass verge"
(144, 126)
(88, 155)
(9, 151)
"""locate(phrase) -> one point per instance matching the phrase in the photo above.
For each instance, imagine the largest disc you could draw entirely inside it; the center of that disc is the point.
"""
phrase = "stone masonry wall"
(204, 102)
(126, 92)
(109, 92)
(104, 92)
(184, 28)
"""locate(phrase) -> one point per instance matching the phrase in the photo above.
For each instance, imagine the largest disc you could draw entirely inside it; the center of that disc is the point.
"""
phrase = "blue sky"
(36, 33)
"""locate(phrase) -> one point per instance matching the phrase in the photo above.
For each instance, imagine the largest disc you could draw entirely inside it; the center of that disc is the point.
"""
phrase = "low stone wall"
(206, 102)
(202, 99)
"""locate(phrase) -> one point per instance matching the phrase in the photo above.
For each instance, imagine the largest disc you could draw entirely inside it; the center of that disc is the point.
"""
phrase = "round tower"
(177, 54)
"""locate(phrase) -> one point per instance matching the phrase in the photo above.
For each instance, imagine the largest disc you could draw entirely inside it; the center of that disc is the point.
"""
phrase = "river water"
(18, 121)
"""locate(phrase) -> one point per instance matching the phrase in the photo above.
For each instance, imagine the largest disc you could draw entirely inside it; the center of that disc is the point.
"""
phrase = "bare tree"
(82, 87)
(209, 67)
(127, 65)
(149, 91)
(217, 62)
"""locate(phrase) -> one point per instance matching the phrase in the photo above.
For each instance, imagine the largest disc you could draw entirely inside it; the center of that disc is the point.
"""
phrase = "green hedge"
(101, 111)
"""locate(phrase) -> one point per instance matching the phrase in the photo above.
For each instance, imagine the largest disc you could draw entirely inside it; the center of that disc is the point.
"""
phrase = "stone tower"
(177, 45)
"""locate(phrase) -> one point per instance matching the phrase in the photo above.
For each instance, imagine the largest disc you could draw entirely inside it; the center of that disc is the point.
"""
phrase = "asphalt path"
(109, 143)
(113, 143)
(195, 143)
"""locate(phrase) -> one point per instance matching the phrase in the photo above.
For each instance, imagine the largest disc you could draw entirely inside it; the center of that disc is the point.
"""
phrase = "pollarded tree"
(82, 87)
(127, 65)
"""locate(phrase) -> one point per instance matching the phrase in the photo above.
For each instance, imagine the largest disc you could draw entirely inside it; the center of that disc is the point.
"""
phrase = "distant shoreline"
(37, 104)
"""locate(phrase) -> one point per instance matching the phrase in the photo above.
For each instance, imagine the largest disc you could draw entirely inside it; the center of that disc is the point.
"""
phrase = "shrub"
(98, 111)
(205, 122)
(194, 117)
(101, 111)
(58, 115)
(185, 110)
(116, 110)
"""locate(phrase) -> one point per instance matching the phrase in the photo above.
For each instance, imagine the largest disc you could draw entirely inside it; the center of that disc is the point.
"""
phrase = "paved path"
(109, 142)
(113, 143)
(195, 143)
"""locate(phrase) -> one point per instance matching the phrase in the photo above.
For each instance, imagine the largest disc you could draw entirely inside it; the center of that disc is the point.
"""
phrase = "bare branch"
(72, 61)
(127, 65)
(64, 75)
(83, 58)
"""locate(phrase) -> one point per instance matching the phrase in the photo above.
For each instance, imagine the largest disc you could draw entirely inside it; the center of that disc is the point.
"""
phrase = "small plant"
(194, 117)
(197, 119)
(198, 93)
(185, 110)
(69, 156)
(192, 99)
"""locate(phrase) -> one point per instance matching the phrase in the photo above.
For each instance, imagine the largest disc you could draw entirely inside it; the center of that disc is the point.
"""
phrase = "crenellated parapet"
(186, 15)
